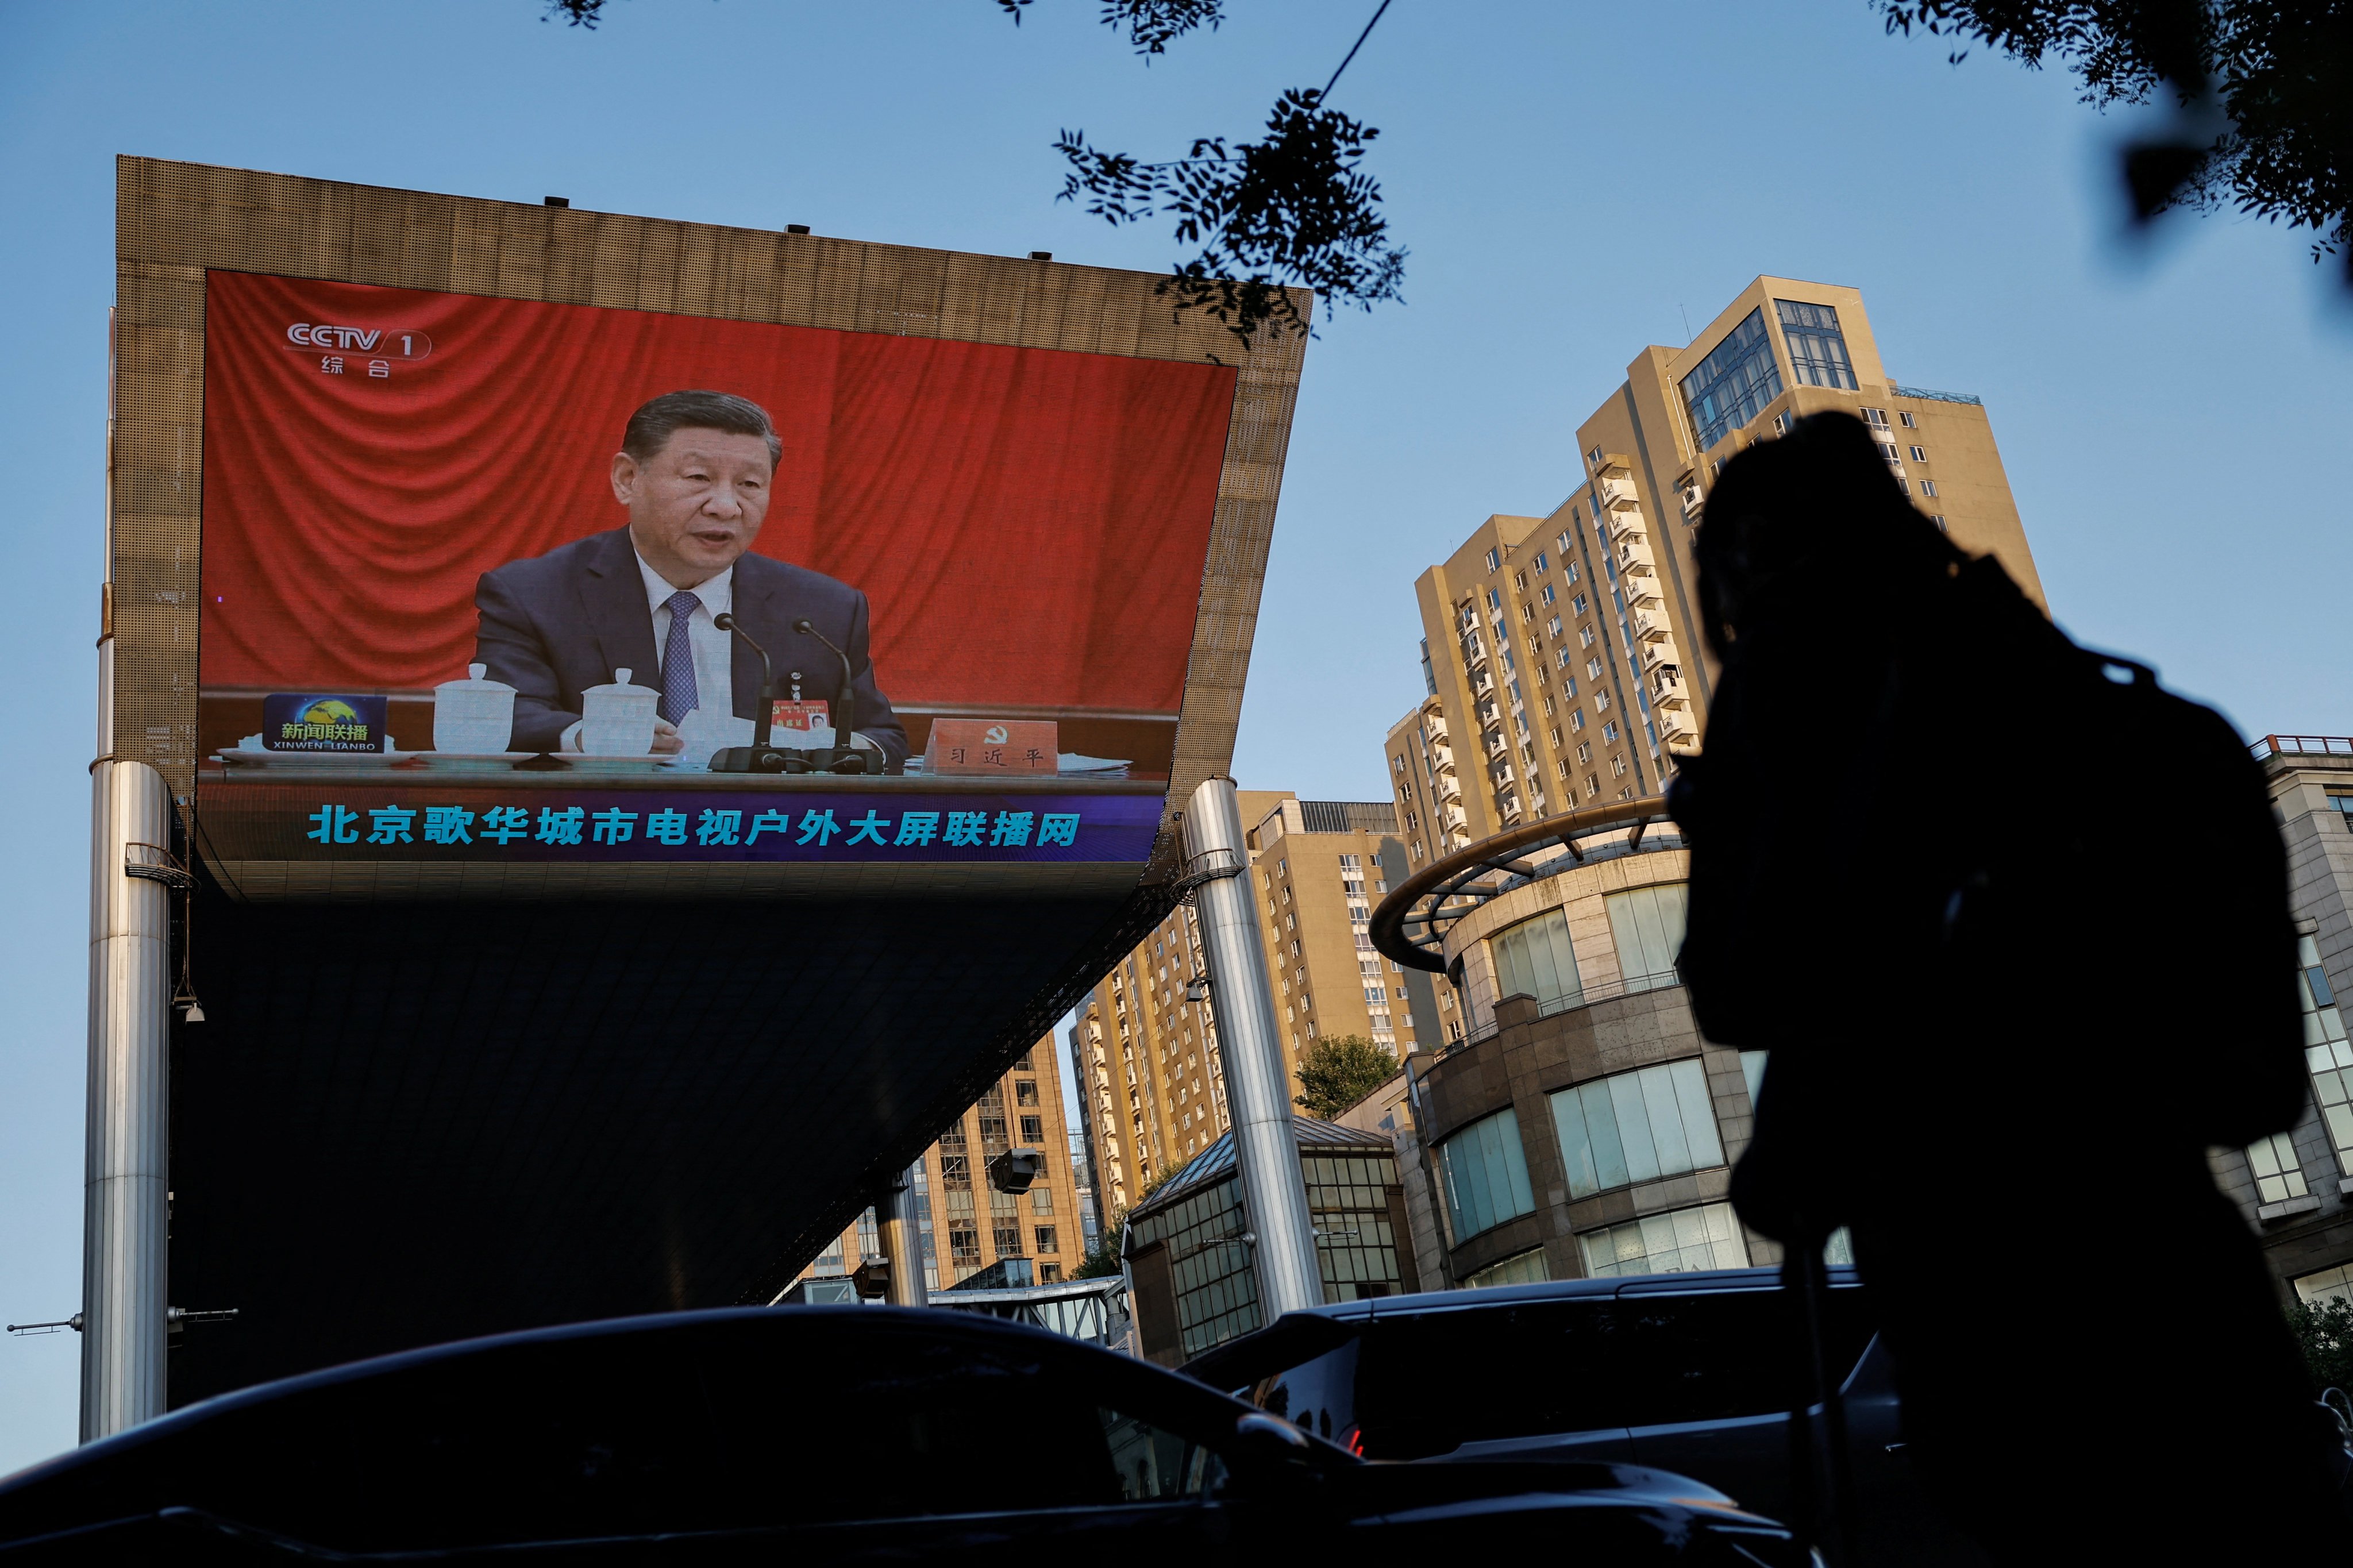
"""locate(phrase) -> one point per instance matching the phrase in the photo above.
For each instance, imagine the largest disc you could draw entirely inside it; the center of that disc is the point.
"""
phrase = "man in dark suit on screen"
(694, 470)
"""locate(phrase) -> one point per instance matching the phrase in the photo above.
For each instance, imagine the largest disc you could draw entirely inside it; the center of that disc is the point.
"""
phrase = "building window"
(1637, 1127)
(1520, 1268)
(1568, 569)
(1044, 1236)
(1533, 958)
(1543, 563)
(1033, 1130)
(1781, 423)
(1939, 520)
(2278, 1176)
(1025, 1091)
(2329, 1284)
(1494, 562)
(1874, 417)
(1909, 423)
(2343, 805)
(1548, 594)
(1817, 346)
(1919, 454)
(1703, 1237)
(1041, 1198)
(1928, 487)
(2326, 1050)
(1734, 383)
(1609, 734)
(1647, 925)
(1485, 1175)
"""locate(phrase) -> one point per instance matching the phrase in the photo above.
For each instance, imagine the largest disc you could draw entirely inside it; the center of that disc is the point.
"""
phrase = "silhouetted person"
(2014, 923)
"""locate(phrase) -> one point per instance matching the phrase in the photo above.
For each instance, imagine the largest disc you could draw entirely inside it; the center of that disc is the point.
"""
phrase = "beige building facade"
(1143, 1045)
(965, 1225)
(1564, 652)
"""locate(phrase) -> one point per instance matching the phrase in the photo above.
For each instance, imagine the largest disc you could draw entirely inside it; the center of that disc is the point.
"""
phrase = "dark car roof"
(786, 1320)
(1311, 1332)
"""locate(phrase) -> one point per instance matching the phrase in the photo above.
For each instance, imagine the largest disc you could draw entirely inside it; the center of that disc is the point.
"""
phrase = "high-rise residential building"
(1564, 652)
(1431, 816)
(966, 1225)
(1144, 1049)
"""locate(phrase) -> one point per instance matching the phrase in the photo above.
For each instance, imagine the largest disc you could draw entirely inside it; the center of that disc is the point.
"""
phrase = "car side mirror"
(1265, 1442)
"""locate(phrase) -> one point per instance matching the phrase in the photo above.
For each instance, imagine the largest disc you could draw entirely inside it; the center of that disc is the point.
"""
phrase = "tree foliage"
(2261, 93)
(1339, 1070)
(2324, 1329)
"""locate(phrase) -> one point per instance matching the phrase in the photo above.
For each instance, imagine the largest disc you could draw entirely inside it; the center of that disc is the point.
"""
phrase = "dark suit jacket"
(556, 623)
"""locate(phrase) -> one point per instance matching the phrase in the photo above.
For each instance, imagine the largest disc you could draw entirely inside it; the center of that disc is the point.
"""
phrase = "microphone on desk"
(846, 759)
(760, 756)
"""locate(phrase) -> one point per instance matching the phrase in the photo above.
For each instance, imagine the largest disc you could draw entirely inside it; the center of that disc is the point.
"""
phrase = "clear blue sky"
(1570, 177)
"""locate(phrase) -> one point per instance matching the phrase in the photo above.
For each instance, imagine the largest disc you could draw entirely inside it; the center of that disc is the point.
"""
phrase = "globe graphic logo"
(330, 710)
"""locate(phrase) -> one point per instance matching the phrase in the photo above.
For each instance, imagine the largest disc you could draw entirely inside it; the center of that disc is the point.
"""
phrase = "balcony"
(1674, 725)
(1641, 592)
(1667, 688)
(1651, 626)
(1611, 465)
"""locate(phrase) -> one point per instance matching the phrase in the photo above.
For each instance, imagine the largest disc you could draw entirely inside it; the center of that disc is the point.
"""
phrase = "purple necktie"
(678, 696)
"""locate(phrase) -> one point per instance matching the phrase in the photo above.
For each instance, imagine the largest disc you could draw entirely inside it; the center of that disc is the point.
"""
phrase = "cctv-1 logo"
(384, 342)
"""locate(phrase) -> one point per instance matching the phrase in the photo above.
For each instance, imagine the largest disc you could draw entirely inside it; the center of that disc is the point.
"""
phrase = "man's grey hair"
(654, 423)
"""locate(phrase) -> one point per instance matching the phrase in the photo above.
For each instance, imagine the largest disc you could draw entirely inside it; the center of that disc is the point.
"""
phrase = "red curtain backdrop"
(1030, 525)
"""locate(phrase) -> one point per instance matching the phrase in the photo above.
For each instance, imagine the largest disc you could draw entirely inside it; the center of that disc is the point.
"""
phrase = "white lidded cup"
(474, 716)
(617, 721)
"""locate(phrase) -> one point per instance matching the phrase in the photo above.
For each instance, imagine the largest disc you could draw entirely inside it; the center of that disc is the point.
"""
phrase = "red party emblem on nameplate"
(992, 746)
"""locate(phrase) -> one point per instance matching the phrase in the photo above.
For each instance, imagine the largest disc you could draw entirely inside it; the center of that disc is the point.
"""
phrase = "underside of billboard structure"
(657, 718)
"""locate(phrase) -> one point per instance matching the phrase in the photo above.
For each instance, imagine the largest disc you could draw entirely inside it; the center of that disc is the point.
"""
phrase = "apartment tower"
(966, 1226)
(1563, 653)
(1144, 1044)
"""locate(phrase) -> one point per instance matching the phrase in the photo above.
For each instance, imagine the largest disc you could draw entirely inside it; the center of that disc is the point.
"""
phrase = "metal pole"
(1266, 1150)
(125, 1156)
(896, 1226)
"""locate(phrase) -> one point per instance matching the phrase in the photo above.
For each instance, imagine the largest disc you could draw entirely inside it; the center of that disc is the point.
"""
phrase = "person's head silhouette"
(1811, 514)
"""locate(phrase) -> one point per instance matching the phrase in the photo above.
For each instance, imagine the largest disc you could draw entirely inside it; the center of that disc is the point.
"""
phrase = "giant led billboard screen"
(493, 582)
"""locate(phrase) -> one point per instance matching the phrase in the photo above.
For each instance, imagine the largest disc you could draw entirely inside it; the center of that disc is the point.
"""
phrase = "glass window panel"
(1534, 959)
(1817, 344)
(1698, 1112)
(1734, 383)
(1752, 1069)
(1666, 1118)
(1486, 1174)
(1647, 925)
(1634, 1126)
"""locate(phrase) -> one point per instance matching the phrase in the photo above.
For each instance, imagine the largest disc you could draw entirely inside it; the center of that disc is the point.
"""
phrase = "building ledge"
(2286, 1206)
(2344, 1184)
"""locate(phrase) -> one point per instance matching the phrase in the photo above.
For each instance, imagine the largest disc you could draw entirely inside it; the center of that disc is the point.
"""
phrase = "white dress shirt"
(714, 651)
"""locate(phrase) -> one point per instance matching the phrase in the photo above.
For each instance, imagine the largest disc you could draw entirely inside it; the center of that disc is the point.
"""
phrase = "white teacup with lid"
(617, 721)
(473, 717)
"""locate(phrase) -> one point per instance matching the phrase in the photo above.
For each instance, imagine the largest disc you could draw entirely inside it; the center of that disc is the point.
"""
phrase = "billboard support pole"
(1266, 1149)
(901, 1238)
(125, 1157)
